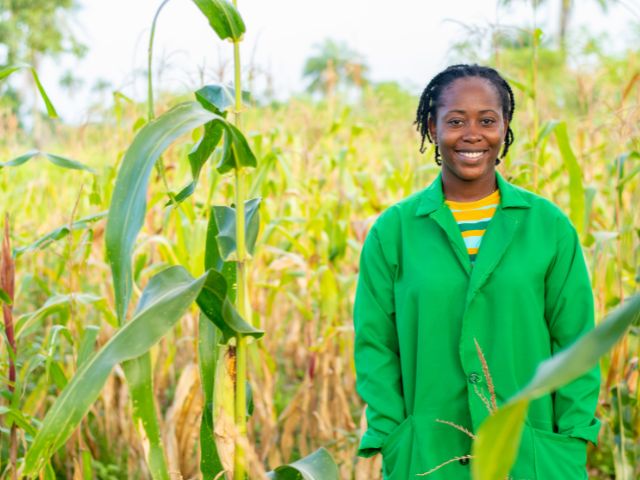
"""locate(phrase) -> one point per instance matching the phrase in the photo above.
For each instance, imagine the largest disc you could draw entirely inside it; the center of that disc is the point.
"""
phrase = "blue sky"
(403, 40)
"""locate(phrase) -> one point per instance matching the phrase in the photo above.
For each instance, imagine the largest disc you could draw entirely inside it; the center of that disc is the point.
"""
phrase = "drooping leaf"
(128, 204)
(5, 72)
(60, 233)
(55, 159)
(223, 18)
(319, 465)
(200, 154)
(576, 188)
(498, 438)
(236, 151)
(139, 378)
(226, 222)
(218, 97)
(167, 296)
(215, 304)
(26, 322)
(213, 259)
(498, 441)
(210, 464)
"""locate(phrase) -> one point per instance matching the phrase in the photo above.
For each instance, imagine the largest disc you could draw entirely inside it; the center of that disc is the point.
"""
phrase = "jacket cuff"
(588, 433)
(371, 443)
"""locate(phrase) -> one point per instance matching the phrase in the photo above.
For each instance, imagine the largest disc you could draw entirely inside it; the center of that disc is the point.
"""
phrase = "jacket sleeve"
(378, 377)
(570, 314)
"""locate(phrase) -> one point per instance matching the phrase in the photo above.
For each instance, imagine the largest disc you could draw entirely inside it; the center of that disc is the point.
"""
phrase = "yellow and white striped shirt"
(473, 218)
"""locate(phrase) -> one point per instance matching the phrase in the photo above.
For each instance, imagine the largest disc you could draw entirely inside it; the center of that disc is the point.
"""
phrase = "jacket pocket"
(397, 451)
(559, 457)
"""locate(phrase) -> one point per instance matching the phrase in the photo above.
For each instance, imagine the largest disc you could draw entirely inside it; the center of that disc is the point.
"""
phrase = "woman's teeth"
(471, 154)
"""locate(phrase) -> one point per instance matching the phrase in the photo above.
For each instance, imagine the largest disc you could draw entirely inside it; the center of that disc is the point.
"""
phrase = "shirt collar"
(432, 198)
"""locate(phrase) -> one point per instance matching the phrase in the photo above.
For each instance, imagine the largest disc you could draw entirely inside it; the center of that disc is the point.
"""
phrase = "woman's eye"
(455, 122)
(487, 121)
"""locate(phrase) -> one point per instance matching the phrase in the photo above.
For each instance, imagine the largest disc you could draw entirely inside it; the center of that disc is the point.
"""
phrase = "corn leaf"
(223, 18)
(60, 233)
(5, 72)
(4, 297)
(216, 305)
(139, 378)
(166, 298)
(210, 464)
(55, 159)
(576, 188)
(236, 152)
(498, 438)
(317, 466)
(128, 204)
(225, 218)
(87, 343)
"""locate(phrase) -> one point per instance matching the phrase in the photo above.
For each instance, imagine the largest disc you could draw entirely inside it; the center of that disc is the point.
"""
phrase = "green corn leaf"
(128, 204)
(60, 233)
(236, 151)
(166, 298)
(498, 439)
(4, 297)
(213, 259)
(215, 304)
(223, 18)
(5, 72)
(218, 98)
(210, 464)
(27, 322)
(87, 344)
(576, 188)
(200, 154)
(317, 466)
(139, 378)
(16, 416)
(55, 159)
(226, 223)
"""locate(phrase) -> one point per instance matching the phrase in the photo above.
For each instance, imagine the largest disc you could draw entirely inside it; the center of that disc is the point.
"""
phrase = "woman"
(469, 259)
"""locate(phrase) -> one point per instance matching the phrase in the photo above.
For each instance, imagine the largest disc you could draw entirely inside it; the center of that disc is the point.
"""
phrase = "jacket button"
(474, 378)
(464, 461)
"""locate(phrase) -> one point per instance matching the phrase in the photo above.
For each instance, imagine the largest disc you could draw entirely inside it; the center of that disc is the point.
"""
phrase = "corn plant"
(220, 292)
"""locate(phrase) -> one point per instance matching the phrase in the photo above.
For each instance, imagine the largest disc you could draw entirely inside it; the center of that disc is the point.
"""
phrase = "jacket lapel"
(432, 204)
(499, 235)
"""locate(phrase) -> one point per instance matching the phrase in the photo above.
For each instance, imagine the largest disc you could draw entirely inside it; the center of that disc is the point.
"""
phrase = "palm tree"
(334, 63)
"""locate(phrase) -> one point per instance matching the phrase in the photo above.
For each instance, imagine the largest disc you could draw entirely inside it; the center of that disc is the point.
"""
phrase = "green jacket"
(420, 306)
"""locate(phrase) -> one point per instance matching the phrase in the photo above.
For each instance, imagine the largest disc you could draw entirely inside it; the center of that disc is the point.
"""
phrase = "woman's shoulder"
(394, 215)
(545, 210)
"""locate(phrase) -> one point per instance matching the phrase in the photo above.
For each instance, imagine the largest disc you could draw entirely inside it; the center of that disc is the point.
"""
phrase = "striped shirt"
(473, 218)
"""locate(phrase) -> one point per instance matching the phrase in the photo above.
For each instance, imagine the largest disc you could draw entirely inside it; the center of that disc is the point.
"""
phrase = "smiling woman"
(471, 262)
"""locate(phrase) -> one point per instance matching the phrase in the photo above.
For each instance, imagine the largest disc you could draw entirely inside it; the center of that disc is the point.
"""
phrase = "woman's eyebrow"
(459, 110)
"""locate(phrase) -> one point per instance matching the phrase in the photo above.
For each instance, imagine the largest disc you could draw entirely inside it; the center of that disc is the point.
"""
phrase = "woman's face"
(469, 129)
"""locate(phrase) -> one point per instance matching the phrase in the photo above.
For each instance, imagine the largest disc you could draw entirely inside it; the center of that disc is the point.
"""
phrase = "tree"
(33, 29)
(334, 63)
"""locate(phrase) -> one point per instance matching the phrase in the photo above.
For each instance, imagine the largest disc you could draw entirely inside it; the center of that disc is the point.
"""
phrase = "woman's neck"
(459, 190)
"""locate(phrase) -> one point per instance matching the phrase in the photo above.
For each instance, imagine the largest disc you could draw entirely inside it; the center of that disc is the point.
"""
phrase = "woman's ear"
(432, 130)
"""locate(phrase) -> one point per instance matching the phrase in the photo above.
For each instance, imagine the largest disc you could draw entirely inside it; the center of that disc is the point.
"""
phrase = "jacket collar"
(432, 197)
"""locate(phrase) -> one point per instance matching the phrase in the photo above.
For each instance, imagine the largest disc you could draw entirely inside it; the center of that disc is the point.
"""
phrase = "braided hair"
(430, 100)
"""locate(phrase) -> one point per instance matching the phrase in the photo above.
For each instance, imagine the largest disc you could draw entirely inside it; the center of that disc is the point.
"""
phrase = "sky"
(404, 40)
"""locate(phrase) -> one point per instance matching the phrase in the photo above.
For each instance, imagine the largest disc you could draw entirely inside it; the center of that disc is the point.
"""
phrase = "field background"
(328, 164)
